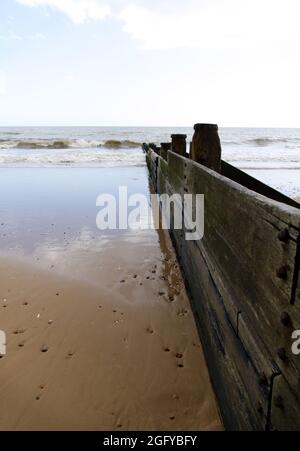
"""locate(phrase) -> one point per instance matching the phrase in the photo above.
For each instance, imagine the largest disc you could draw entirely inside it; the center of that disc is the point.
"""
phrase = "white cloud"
(79, 11)
(190, 24)
(213, 24)
(3, 83)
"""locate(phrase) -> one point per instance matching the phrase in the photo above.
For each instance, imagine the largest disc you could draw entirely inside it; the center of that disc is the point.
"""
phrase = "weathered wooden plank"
(296, 278)
(285, 412)
(255, 266)
(247, 374)
(162, 175)
(246, 330)
(177, 167)
(242, 276)
(152, 162)
(236, 381)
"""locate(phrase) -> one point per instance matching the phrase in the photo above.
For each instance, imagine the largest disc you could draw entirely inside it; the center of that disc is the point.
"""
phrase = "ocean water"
(272, 155)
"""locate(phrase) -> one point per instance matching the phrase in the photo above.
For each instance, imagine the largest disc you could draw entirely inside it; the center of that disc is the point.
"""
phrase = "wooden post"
(179, 144)
(206, 146)
(165, 147)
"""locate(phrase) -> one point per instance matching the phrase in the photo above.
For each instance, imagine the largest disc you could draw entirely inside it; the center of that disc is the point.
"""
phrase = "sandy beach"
(100, 334)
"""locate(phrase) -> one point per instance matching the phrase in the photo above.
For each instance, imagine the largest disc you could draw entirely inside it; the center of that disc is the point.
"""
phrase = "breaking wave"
(126, 144)
(67, 144)
(264, 141)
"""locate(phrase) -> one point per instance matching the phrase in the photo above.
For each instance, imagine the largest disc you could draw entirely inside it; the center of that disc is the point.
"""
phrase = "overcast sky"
(150, 62)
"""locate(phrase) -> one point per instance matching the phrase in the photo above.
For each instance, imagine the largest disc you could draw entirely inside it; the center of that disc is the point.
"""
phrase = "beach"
(99, 330)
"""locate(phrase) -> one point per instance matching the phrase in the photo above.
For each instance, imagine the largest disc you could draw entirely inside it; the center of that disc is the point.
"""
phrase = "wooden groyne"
(244, 281)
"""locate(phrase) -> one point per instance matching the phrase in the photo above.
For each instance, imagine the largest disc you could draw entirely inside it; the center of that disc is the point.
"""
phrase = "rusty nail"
(282, 354)
(284, 235)
(285, 319)
(278, 402)
(282, 272)
(260, 408)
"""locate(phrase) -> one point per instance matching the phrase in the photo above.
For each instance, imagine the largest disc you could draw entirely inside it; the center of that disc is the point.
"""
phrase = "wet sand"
(100, 334)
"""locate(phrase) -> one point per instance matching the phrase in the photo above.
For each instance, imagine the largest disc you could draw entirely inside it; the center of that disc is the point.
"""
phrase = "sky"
(150, 62)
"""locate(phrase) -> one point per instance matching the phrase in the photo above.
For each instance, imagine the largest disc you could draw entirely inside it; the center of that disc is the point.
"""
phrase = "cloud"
(3, 83)
(213, 24)
(79, 11)
(174, 24)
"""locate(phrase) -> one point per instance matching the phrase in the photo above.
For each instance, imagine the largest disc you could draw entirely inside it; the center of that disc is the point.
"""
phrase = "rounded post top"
(179, 136)
(206, 127)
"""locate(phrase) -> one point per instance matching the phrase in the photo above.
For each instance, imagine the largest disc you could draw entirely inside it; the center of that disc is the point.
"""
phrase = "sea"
(269, 154)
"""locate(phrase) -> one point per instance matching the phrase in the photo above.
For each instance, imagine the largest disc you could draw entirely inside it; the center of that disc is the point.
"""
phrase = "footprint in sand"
(19, 332)
(179, 355)
(44, 349)
(182, 313)
(172, 418)
(21, 345)
(180, 365)
(70, 355)
(167, 350)
(150, 330)
(25, 303)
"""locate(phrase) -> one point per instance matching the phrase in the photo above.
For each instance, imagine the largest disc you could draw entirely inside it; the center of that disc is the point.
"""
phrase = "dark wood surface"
(241, 277)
